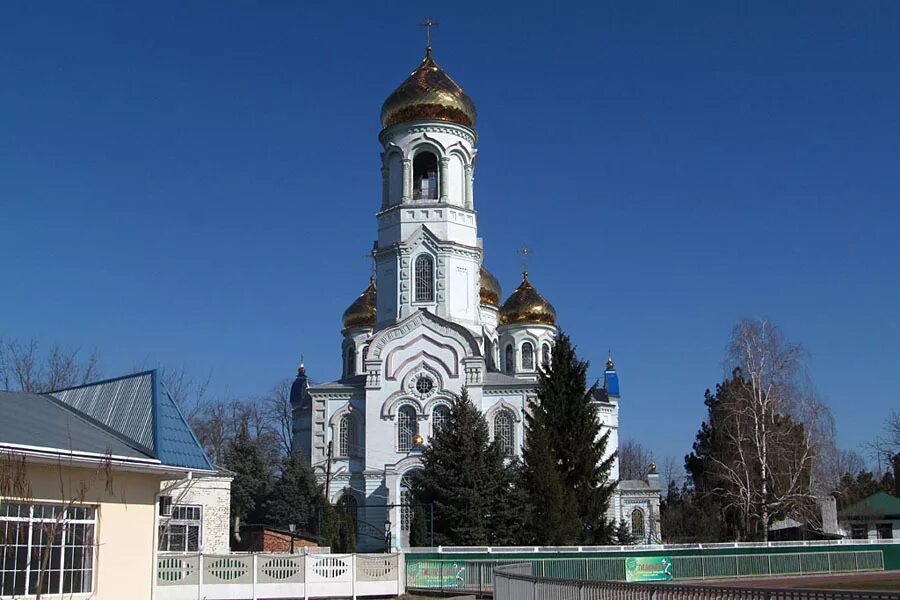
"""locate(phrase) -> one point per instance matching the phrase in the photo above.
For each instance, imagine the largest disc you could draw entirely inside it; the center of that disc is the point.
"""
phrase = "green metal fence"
(477, 574)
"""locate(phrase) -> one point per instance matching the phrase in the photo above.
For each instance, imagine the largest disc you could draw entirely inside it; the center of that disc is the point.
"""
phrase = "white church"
(432, 321)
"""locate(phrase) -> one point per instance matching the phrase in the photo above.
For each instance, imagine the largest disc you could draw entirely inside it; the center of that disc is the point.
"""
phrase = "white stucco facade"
(432, 330)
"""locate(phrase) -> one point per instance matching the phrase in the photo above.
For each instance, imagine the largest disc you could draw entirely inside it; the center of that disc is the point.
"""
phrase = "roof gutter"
(46, 455)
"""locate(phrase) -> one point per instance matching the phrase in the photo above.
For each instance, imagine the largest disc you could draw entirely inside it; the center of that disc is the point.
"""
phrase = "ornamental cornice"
(337, 395)
(424, 127)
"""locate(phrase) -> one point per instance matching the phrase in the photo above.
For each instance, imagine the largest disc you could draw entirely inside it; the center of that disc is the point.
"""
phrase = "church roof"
(527, 306)
(362, 313)
(428, 94)
(492, 378)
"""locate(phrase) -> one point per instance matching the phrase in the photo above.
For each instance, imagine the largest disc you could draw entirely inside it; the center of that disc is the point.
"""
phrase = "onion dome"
(429, 94)
(362, 312)
(489, 288)
(526, 305)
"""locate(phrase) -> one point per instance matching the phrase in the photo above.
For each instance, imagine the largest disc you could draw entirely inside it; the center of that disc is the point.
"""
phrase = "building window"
(424, 278)
(545, 355)
(637, 523)
(35, 534)
(440, 416)
(509, 363)
(407, 428)
(859, 532)
(527, 356)
(181, 531)
(351, 361)
(425, 176)
(406, 500)
(347, 436)
(503, 432)
(365, 354)
(884, 531)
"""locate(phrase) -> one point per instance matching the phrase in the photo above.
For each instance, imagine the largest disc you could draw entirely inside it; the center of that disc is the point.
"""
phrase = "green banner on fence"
(648, 568)
(435, 575)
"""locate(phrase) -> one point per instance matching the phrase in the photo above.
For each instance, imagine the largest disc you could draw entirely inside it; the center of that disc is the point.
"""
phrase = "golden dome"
(489, 288)
(362, 312)
(429, 94)
(526, 305)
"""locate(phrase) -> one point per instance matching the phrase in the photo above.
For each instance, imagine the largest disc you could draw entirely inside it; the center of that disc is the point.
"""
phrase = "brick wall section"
(214, 495)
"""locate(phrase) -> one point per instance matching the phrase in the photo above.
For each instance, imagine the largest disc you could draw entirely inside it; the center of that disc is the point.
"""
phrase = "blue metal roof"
(140, 408)
(611, 382)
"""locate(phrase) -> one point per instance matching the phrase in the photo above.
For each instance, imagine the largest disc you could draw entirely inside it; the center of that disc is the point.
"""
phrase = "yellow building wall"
(125, 532)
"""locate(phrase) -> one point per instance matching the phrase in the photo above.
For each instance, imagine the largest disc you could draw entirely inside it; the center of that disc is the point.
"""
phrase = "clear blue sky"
(195, 183)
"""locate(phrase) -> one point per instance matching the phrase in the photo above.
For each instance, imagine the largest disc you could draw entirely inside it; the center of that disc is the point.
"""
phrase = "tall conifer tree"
(295, 496)
(253, 479)
(461, 477)
(563, 430)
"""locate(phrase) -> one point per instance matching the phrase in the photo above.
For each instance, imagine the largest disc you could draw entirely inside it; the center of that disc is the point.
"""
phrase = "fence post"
(353, 576)
(255, 576)
(306, 576)
(200, 578)
(829, 562)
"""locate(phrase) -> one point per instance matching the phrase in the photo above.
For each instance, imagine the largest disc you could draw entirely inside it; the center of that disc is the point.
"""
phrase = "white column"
(407, 180)
(469, 177)
(445, 176)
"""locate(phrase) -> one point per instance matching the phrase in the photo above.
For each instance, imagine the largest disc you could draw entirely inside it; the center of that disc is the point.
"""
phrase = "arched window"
(424, 278)
(407, 428)
(365, 354)
(637, 523)
(509, 362)
(406, 500)
(489, 354)
(545, 355)
(527, 356)
(350, 506)
(351, 361)
(425, 176)
(504, 435)
(347, 444)
(440, 416)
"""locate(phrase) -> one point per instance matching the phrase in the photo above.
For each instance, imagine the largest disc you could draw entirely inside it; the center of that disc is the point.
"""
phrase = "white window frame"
(33, 524)
(176, 520)
(418, 282)
(404, 445)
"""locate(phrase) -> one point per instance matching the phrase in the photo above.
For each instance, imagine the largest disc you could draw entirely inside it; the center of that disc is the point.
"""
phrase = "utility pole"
(328, 474)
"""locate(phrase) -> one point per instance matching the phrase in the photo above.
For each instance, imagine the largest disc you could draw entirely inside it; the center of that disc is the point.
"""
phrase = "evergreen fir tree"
(575, 444)
(253, 481)
(461, 477)
(418, 530)
(623, 535)
(553, 512)
(295, 495)
(511, 511)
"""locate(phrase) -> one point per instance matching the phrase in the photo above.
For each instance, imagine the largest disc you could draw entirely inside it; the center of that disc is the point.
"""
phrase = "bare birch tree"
(773, 430)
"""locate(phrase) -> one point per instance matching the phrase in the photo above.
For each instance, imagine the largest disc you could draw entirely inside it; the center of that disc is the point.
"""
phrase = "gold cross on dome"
(428, 24)
(524, 251)
(372, 264)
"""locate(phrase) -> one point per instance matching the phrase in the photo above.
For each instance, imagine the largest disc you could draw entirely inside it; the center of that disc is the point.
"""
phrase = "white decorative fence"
(258, 576)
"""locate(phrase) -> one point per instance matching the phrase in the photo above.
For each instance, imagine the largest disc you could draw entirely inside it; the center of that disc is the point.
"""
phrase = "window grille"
(637, 523)
(424, 278)
(407, 428)
(351, 361)
(440, 416)
(406, 502)
(503, 432)
(510, 363)
(365, 354)
(527, 357)
(29, 533)
(545, 356)
(181, 532)
(346, 436)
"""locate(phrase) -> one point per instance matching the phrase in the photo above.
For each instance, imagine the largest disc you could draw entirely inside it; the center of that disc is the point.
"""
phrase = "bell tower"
(428, 252)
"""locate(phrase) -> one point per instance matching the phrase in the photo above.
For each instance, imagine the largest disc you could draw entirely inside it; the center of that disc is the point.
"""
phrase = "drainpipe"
(156, 497)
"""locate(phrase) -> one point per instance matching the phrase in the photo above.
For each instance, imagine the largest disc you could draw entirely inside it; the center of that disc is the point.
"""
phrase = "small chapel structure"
(432, 321)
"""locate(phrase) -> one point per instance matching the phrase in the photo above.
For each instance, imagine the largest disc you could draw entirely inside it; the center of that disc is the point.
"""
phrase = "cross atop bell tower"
(427, 24)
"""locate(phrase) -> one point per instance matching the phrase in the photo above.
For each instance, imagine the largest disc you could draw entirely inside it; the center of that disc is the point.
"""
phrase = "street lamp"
(387, 535)
(292, 528)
